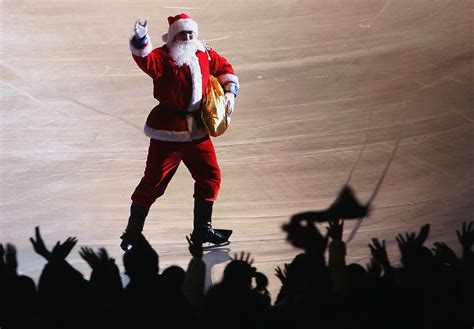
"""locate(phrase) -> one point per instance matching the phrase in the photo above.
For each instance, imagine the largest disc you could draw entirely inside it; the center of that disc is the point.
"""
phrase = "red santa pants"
(163, 160)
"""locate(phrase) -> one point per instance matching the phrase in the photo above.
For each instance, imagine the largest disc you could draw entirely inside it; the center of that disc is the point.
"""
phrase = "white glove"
(140, 29)
(230, 103)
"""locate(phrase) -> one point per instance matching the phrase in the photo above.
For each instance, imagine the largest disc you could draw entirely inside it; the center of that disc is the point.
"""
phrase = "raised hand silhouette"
(423, 234)
(61, 250)
(466, 238)
(282, 274)
(105, 273)
(39, 246)
(8, 260)
(444, 254)
(90, 257)
(412, 240)
(415, 257)
(335, 229)
(244, 257)
(379, 253)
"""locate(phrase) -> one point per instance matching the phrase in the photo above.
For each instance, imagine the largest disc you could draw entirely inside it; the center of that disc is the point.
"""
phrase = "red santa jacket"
(179, 89)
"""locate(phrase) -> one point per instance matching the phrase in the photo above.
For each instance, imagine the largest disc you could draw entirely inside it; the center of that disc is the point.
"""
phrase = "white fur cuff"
(226, 78)
(141, 52)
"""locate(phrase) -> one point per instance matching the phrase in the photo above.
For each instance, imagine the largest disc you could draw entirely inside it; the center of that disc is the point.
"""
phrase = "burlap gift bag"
(214, 109)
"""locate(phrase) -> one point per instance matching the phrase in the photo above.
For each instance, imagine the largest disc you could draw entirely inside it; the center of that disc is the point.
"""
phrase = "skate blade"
(208, 245)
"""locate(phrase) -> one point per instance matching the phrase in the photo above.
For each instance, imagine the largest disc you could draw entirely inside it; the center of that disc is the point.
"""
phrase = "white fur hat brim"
(184, 24)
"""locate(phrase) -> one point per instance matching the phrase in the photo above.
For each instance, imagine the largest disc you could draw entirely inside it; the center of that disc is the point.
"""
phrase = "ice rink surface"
(332, 92)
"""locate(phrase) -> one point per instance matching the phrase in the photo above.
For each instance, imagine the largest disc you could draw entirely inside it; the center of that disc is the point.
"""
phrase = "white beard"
(184, 52)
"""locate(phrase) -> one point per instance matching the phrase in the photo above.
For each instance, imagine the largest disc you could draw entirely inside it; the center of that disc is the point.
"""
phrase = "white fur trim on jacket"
(144, 52)
(173, 136)
(226, 78)
(184, 24)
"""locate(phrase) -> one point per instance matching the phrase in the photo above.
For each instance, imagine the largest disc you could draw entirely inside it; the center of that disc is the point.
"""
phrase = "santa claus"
(180, 70)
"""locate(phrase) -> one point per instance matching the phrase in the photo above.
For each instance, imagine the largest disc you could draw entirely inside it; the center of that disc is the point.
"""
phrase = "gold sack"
(214, 111)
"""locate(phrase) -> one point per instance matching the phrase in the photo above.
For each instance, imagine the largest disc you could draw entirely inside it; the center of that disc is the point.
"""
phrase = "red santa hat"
(179, 23)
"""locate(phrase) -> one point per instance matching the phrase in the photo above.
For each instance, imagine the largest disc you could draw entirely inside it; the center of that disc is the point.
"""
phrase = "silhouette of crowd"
(430, 288)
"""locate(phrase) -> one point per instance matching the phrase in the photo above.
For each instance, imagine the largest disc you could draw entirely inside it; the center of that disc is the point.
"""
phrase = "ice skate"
(211, 237)
(135, 224)
(203, 232)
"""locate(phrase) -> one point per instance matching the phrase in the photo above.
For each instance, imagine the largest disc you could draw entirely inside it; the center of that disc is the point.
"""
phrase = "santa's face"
(184, 51)
(184, 36)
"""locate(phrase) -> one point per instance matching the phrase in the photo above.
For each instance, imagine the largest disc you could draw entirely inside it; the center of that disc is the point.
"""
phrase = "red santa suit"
(175, 134)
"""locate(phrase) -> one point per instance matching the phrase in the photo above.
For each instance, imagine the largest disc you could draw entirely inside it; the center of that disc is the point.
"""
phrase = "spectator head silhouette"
(303, 233)
(174, 276)
(357, 279)
(239, 273)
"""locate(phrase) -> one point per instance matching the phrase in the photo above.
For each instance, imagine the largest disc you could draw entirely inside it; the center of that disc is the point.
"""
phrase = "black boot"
(136, 221)
(203, 231)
